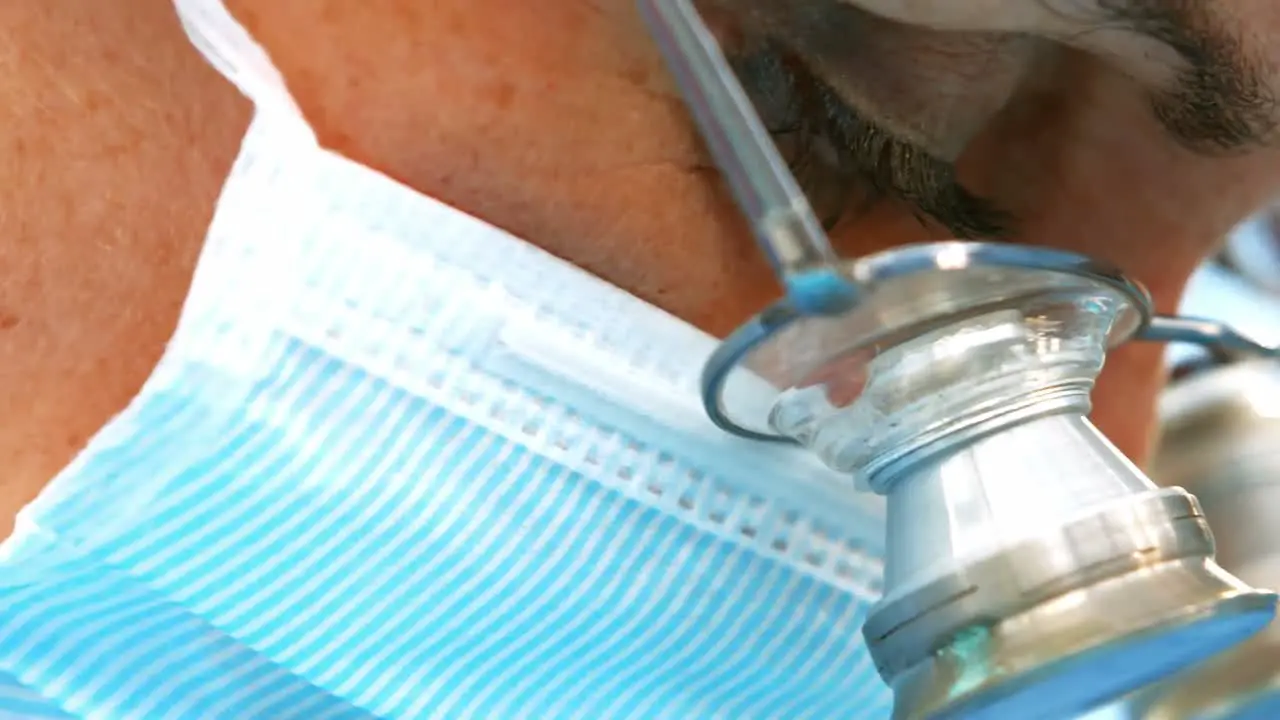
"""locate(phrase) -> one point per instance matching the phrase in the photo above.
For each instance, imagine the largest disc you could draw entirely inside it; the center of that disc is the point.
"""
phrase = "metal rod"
(784, 223)
(1218, 337)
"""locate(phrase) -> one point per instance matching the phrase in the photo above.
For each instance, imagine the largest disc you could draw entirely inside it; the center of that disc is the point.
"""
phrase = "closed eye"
(875, 99)
(797, 69)
(842, 160)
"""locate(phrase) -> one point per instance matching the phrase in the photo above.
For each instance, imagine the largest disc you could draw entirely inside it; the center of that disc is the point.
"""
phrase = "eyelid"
(835, 151)
(1106, 31)
(1011, 16)
(934, 89)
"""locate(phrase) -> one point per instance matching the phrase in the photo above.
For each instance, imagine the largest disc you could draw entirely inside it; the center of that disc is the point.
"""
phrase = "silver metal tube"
(785, 225)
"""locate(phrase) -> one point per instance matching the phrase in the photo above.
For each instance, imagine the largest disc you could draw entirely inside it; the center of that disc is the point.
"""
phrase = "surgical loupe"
(1031, 570)
(1221, 438)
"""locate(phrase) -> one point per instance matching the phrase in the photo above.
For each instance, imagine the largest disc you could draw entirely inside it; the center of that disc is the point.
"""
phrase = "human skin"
(554, 120)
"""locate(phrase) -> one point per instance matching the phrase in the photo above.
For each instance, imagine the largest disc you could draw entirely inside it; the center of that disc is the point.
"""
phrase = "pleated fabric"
(398, 464)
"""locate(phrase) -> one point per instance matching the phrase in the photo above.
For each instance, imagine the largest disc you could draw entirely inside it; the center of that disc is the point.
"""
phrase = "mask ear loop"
(232, 51)
(785, 226)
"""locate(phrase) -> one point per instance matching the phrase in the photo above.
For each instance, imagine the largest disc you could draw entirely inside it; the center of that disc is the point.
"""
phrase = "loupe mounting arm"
(1218, 338)
(781, 218)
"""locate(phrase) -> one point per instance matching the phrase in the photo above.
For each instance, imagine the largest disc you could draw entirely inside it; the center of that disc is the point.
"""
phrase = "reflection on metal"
(1222, 440)
(1032, 571)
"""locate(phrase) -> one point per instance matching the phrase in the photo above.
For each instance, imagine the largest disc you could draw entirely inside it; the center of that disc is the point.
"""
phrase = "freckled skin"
(554, 120)
(115, 138)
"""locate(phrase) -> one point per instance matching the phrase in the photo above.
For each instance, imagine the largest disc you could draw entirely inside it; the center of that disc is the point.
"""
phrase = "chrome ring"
(864, 274)
(910, 627)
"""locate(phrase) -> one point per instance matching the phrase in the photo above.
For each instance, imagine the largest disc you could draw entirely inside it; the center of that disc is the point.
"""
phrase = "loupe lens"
(952, 378)
(802, 377)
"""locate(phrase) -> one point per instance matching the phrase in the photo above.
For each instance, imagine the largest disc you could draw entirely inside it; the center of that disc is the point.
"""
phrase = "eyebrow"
(1221, 101)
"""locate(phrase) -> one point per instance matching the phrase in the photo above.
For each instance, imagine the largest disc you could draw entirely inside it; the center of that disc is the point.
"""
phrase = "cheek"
(115, 139)
(1079, 157)
(1124, 401)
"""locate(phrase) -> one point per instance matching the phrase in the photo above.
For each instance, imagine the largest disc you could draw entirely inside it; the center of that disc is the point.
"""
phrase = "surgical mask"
(1031, 571)
(396, 463)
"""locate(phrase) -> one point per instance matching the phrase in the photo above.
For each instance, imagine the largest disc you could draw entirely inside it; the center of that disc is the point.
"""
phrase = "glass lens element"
(995, 329)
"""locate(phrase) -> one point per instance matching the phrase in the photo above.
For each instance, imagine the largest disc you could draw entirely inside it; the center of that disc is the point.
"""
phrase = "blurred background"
(1220, 439)
(1241, 285)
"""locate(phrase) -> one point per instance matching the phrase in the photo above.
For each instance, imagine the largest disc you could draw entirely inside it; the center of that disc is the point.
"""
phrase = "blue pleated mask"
(397, 463)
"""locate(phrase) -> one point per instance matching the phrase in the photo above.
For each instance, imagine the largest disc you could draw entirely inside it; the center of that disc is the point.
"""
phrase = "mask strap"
(232, 51)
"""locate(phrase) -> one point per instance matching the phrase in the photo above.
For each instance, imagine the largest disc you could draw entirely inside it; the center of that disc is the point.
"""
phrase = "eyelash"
(788, 109)
(844, 162)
